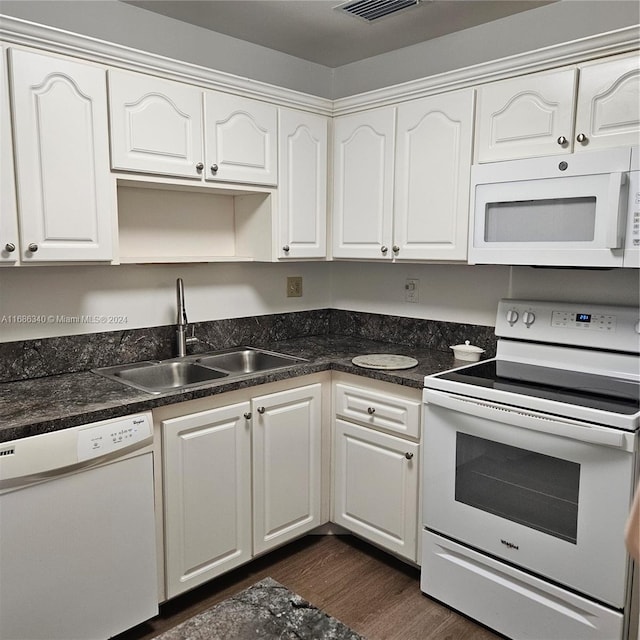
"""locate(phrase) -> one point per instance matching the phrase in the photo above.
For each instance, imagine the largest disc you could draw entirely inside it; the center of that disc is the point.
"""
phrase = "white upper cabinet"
(156, 125)
(241, 139)
(8, 212)
(302, 191)
(608, 111)
(363, 184)
(592, 106)
(433, 161)
(526, 116)
(173, 129)
(66, 194)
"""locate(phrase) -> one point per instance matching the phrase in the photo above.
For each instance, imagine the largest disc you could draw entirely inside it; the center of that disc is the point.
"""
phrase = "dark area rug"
(267, 610)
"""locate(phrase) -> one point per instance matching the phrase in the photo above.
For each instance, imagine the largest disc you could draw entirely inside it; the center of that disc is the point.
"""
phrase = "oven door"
(549, 495)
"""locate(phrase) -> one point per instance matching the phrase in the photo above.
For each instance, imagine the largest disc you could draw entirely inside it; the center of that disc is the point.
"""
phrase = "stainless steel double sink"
(158, 376)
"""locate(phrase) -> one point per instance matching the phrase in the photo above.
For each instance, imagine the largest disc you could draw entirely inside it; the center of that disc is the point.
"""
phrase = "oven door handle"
(525, 419)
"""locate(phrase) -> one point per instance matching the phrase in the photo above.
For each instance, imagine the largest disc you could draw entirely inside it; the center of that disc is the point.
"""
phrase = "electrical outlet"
(411, 288)
(294, 287)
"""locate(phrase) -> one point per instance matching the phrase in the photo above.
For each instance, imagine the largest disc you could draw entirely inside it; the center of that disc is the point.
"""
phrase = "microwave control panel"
(566, 323)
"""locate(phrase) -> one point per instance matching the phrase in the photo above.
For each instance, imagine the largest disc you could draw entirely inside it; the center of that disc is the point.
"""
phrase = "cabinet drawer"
(380, 410)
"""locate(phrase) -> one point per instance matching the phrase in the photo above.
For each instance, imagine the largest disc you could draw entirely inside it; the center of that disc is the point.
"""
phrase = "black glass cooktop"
(571, 387)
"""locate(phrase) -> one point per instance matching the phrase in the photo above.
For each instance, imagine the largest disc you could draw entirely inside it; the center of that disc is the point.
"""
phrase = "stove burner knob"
(512, 317)
(528, 317)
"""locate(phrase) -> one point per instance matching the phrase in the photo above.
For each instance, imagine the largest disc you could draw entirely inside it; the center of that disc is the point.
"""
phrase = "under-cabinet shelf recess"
(172, 222)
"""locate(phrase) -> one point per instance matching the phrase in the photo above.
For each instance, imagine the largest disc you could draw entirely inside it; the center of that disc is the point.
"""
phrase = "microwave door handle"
(615, 204)
(525, 419)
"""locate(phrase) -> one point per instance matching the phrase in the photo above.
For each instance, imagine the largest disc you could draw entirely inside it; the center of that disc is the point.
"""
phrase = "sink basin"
(156, 377)
(184, 373)
(245, 360)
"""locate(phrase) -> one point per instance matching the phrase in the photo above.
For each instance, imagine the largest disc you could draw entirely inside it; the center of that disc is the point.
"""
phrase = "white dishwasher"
(77, 532)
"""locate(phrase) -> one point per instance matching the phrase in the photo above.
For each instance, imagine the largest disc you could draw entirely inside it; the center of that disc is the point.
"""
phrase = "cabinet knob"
(261, 410)
(286, 248)
(408, 455)
(199, 167)
(247, 415)
(395, 248)
(384, 249)
(371, 410)
(33, 247)
(214, 168)
(562, 141)
(9, 247)
(582, 138)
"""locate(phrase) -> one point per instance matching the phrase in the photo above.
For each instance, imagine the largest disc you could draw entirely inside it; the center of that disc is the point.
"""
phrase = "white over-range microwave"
(581, 210)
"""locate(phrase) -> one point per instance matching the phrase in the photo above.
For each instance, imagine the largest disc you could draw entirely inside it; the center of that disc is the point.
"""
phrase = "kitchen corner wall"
(470, 293)
(42, 302)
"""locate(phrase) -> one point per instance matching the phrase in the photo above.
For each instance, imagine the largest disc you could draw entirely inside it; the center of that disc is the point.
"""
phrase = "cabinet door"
(363, 184)
(376, 487)
(526, 116)
(608, 111)
(286, 465)
(66, 194)
(207, 466)
(302, 189)
(156, 125)
(241, 139)
(433, 164)
(8, 211)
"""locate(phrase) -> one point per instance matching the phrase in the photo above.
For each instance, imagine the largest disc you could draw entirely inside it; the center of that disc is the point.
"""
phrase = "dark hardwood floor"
(371, 592)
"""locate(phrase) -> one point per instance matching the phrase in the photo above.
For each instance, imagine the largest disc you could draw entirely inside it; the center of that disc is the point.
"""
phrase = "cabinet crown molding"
(53, 40)
(29, 34)
(625, 40)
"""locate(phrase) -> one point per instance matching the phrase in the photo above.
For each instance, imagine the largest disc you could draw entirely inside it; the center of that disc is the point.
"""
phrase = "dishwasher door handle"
(525, 419)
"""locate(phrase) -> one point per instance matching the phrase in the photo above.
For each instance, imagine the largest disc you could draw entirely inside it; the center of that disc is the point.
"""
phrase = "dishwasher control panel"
(49, 455)
(115, 435)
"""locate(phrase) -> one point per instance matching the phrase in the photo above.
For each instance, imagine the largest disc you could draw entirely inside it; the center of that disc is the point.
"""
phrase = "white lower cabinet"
(375, 474)
(238, 479)
(207, 494)
(286, 465)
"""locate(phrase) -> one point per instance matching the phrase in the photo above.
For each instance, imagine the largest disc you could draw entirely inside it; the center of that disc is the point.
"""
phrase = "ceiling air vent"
(371, 10)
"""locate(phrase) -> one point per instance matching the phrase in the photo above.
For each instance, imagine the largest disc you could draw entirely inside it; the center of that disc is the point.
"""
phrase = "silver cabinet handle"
(214, 168)
(384, 249)
(261, 410)
(9, 247)
(33, 247)
(286, 248)
(562, 141)
(199, 167)
(408, 455)
(247, 415)
(582, 138)
(395, 248)
(371, 410)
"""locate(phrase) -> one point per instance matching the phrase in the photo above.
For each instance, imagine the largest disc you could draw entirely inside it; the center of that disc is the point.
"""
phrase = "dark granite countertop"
(41, 405)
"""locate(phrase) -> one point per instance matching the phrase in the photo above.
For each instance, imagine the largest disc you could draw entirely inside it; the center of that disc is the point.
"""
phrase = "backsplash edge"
(38, 358)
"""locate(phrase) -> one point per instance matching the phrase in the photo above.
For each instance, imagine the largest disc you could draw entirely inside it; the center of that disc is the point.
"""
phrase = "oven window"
(532, 489)
(557, 220)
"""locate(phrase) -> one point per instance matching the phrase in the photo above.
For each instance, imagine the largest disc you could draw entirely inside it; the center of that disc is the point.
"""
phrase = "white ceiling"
(313, 30)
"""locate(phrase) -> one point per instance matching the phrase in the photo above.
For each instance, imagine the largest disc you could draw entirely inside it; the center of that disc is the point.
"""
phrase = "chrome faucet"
(182, 323)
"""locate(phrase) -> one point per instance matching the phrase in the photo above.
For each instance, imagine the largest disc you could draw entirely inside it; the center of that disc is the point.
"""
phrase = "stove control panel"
(591, 321)
(567, 323)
